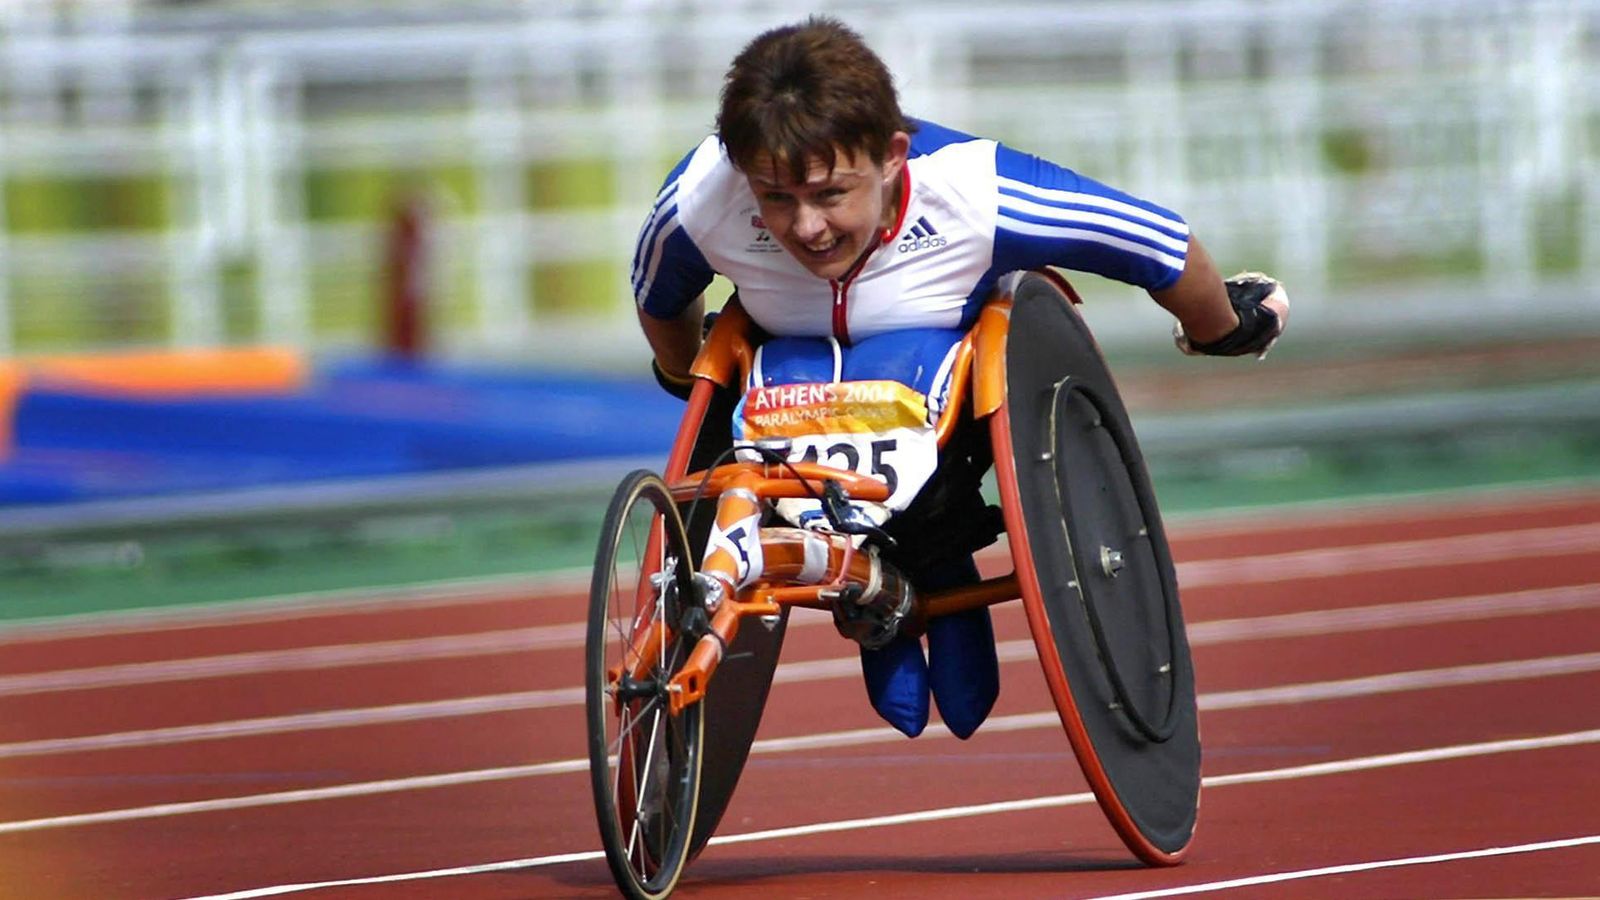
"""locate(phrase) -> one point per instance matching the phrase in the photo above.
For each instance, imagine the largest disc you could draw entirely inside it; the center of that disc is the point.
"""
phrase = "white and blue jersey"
(972, 211)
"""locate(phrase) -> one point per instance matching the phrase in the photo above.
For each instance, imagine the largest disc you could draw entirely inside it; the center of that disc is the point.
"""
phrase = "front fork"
(733, 558)
(741, 553)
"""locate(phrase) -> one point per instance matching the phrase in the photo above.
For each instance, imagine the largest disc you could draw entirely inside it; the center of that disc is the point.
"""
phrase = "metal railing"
(1387, 158)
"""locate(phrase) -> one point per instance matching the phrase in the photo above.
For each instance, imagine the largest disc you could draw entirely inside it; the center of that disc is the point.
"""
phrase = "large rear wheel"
(1096, 576)
(644, 761)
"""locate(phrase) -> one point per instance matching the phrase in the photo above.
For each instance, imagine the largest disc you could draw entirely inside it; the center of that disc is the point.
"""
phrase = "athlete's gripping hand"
(1263, 309)
(680, 386)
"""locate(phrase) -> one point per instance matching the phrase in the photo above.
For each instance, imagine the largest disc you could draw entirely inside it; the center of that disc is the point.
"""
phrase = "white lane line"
(309, 605)
(1398, 682)
(1471, 608)
(339, 718)
(1202, 633)
(1365, 558)
(457, 871)
(1301, 693)
(1357, 764)
(1383, 510)
(551, 637)
(1350, 868)
(280, 798)
(327, 656)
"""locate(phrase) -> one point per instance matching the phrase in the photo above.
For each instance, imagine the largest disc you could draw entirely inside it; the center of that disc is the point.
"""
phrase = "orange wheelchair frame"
(742, 488)
(666, 669)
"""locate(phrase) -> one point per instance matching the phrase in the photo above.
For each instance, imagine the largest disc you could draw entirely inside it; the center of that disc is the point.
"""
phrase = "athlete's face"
(827, 221)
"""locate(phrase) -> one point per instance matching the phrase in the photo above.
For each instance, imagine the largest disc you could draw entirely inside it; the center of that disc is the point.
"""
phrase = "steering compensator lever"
(873, 614)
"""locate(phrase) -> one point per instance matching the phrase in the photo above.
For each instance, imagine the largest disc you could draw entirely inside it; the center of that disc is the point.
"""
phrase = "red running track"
(1397, 700)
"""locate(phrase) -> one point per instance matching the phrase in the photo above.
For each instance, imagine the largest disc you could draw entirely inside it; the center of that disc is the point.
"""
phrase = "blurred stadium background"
(182, 176)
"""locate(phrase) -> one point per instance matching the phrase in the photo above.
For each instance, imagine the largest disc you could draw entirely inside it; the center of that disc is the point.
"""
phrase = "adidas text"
(911, 244)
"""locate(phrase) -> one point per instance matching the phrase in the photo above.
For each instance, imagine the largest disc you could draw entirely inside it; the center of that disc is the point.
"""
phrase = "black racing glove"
(1258, 326)
(680, 388)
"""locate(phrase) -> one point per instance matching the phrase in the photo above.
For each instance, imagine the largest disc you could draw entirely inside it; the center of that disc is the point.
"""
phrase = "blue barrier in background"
(357, 418)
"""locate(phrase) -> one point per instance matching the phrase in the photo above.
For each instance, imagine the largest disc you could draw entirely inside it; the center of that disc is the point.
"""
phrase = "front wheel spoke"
(625, 626)
(634, 849)
(620, 623)
(625, 638)
(632, 719)
(649, 761)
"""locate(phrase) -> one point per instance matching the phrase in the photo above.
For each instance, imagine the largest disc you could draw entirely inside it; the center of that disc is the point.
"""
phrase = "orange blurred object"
(165, 373)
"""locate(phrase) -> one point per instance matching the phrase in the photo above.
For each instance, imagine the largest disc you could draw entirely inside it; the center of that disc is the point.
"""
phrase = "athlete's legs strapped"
(960, 668)
(897, 683)
(963, 670)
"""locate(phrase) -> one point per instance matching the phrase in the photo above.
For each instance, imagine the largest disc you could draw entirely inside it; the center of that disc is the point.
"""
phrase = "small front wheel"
(644, 762)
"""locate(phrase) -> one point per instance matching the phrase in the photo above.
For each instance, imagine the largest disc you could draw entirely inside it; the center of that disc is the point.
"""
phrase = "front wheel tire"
(644, 761)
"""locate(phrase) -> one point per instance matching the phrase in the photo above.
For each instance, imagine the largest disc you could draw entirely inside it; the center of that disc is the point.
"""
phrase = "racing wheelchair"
(696, 573)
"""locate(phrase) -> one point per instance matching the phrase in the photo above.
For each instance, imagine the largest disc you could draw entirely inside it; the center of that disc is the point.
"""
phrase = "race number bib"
(880, 429)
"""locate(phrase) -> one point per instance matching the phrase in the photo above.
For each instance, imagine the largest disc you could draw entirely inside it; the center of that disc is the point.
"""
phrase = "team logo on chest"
(920, 236)
(763, 242)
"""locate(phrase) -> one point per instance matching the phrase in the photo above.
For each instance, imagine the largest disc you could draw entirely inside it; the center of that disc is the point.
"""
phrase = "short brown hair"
(804, 91)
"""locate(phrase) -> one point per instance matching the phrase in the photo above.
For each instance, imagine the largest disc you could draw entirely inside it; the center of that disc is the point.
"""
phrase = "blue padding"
(911, 357)
(359, 418)
(897, 683)
(963, 669)
(789, 360)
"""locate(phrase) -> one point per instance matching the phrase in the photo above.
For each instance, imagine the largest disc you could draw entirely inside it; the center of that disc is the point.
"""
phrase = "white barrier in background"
(1392, 160)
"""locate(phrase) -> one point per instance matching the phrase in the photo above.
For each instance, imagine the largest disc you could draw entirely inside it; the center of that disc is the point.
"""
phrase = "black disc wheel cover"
(1104, 571)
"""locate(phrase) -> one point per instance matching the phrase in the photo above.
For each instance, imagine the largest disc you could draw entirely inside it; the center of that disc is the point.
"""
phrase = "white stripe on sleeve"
(1126, 210)
(1080, 234)
(668, 227)
(652, 223)
(1082, 217)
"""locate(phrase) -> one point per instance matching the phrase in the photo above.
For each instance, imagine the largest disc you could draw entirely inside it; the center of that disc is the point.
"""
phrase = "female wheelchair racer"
(835, 214)
(850, 470)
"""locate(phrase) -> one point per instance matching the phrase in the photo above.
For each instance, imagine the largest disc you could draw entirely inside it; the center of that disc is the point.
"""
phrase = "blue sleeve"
(1051, 216)
(669, 271)
(929, 136)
